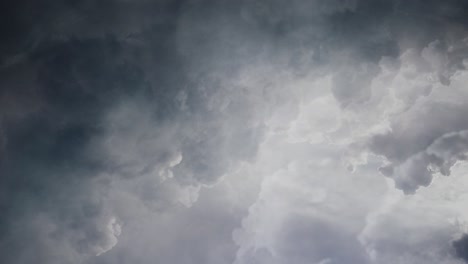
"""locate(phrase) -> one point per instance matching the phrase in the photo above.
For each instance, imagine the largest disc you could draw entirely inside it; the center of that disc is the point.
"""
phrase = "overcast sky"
(234, 132)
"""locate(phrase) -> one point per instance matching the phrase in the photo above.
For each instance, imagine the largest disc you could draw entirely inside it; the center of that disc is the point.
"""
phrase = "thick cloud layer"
(241, 132)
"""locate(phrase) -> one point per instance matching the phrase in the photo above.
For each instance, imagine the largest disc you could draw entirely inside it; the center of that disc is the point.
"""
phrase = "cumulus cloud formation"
(237, 132)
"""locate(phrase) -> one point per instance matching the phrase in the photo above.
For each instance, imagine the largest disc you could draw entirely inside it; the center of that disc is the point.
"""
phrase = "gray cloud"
(125, 124)
(460, 247)
(439, 157)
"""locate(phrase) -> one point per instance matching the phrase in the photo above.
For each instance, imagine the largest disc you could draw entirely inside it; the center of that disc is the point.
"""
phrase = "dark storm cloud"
(48, 164)
(53, 201)
(461, 247)
(56, 164)
(140, 96)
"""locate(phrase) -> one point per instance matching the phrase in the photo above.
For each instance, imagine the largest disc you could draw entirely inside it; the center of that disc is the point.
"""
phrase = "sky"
(234, 132)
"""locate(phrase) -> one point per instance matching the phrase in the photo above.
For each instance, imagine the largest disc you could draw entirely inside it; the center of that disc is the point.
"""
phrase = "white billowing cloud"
(424, 130)
(311, 208)
(113, 230)
(314, 207)
(439, 157)
(307, 195)
(419, 228)
(312, 125)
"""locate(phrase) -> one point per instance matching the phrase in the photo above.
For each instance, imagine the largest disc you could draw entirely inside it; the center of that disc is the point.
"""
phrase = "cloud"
(428, 130)
(204, 131)
(460, 247)
(439, 157)
(87, 121)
